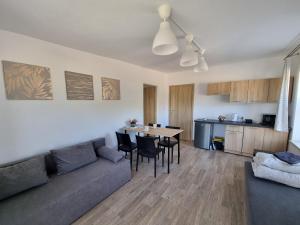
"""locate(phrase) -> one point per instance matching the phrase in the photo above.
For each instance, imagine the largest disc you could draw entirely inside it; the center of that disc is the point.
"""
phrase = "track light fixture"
(202, 64)
(165, 42)
(189, 56)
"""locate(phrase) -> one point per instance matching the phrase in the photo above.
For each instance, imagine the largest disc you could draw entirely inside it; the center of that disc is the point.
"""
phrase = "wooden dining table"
(161, 132)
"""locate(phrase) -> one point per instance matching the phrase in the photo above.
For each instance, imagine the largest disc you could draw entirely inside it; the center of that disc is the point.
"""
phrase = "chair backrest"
(151, 124)
(177, 136)
(146, 145)
(123, 139)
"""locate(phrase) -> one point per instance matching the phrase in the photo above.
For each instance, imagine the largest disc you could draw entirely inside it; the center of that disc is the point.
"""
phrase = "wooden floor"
(206, 188)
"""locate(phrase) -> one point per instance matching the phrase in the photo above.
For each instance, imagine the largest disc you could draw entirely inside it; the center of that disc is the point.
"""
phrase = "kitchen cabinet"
(274, 89)
(213, 89)
(239, 91)
(233, 139)
(250, 91)
(243, 140)
(222, 88)
(253, 138)
(258, 90)
(274, 141)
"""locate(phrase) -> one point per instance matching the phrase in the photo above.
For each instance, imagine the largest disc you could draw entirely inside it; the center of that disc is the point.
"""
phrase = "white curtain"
(282, 116)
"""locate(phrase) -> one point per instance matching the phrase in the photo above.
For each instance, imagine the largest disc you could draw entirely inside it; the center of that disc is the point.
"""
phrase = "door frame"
(155, 105)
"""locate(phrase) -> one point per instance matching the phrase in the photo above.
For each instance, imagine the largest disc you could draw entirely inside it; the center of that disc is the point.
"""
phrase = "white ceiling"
(230, 30)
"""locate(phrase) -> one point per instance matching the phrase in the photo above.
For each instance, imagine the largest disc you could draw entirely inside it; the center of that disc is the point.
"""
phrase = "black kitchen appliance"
(248, 121)
(268, 120)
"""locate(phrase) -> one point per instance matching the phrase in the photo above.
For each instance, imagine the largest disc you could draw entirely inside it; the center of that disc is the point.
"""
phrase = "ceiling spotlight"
(165, 42)
(189, 56)
(202, 65)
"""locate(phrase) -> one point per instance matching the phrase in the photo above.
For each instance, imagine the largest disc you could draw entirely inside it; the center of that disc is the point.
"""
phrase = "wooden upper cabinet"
(258, 90)
(224, 88)
(253, 139)
(250, 91)
(213, 89)
(239, 91)
(274, 89)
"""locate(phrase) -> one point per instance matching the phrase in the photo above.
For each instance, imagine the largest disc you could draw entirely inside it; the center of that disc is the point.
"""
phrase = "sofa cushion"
(99, 142)
(65, 198)
(73, 157)
(22, 176)
(109, 154)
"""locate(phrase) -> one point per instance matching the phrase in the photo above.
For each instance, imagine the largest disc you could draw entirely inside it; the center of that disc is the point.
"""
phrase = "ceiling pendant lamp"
(189, 56)
(202, 65)
(165, 42)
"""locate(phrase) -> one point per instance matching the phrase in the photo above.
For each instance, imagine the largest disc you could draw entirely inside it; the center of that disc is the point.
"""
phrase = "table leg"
(168, 154)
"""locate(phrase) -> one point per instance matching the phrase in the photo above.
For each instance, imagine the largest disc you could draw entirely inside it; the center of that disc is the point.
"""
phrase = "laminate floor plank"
(207, 188)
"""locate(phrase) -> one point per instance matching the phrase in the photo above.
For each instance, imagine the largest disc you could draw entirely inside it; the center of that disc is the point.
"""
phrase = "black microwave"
(268, 120)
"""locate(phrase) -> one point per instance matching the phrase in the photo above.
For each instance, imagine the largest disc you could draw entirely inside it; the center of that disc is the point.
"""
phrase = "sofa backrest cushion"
(99, 142)
(110, 154)
(73, 157)
(22, 176)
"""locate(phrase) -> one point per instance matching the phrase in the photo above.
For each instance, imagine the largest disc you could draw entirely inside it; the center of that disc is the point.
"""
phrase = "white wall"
(31, 127)
(213, 106)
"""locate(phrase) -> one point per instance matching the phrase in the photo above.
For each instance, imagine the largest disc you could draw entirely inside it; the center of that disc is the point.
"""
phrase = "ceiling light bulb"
(201, 66)
(165, 42)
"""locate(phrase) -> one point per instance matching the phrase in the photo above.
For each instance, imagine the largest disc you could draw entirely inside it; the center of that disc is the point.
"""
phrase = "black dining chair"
(125, 144)
(146, 148)
(174, 141)
(151, 124)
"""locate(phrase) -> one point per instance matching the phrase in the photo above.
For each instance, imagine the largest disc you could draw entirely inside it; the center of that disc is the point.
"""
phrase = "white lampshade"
(165, 42)
(202, 65)
(189, 57)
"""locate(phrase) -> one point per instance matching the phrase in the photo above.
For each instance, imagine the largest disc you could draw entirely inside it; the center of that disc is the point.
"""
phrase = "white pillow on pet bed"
(269, 160)
(290, 179)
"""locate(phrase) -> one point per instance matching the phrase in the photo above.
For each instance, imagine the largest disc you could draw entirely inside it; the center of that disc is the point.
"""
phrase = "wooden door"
(258, 90)
(275, 141)
(253, 139)
(239, 91)
(149, 104)
(181, 103)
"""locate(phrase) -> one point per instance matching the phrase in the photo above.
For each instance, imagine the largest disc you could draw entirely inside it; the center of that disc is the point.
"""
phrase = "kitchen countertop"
(227, 122)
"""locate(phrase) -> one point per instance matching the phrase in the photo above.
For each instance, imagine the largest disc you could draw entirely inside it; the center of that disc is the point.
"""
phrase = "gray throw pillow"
(109, 154)
(71, 158)
(22, 176)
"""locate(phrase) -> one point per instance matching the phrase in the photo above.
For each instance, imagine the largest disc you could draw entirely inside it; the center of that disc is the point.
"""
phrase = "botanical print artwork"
(110, 89)
(79, 86)
(26, 82)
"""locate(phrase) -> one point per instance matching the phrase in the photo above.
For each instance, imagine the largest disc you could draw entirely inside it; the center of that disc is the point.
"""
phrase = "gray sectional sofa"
(64, 198)
(270, 203)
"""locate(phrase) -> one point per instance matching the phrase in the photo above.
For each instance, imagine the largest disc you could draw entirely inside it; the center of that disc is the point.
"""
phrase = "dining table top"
(158, 131)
